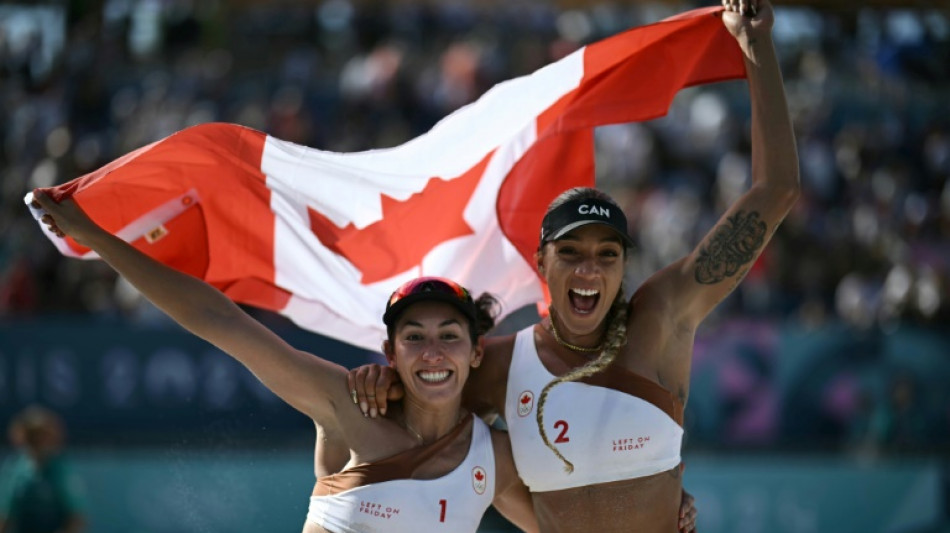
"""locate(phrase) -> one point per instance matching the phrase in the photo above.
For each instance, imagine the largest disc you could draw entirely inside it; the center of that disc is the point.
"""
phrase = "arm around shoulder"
(487, 385)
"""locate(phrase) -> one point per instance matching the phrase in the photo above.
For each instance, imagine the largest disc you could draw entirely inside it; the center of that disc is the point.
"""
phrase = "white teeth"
(586, 292)
(434, 377)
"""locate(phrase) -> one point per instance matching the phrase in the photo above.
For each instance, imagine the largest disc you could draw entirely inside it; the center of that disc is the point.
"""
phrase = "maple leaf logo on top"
(479, 480)
(525, 403)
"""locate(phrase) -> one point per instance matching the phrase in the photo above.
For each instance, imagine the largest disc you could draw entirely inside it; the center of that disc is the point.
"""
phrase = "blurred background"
(820, 395)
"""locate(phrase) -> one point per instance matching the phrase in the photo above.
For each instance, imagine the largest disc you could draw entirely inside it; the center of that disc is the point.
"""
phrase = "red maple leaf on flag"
(223, 202)
(405, 234)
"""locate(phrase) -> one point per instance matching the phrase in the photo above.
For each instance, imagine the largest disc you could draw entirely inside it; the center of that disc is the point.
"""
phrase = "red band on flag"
(633, 76)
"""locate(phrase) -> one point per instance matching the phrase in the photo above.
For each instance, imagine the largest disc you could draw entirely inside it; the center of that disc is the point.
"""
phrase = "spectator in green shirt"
(39, 492)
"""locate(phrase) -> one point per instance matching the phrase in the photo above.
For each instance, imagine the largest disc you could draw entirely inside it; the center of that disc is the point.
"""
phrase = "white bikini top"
(380, 497)
(624, 426)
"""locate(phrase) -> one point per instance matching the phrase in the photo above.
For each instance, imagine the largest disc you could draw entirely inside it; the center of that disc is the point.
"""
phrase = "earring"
(476, 362)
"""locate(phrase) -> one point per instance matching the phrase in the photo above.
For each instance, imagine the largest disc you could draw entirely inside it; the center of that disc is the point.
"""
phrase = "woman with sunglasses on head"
(428, 465)
(593, 395)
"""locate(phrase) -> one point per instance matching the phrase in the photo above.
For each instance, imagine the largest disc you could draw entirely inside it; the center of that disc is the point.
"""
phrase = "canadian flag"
(325, 237)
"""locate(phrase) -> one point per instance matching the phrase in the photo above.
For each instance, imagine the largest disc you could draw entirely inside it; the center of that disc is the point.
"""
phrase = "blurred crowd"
(82, 83)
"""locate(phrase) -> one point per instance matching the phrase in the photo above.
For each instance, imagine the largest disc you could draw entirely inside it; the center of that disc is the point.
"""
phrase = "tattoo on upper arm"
(735, 243)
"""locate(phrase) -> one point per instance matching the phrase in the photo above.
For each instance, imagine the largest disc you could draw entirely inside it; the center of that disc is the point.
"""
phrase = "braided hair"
(616, 338)
(616, 335)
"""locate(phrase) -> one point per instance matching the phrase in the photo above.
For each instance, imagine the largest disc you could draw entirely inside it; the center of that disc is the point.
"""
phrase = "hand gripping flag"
(324, 237)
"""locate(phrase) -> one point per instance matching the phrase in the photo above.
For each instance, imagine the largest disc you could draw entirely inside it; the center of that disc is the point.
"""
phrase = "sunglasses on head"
(430, 284)
(430, 289)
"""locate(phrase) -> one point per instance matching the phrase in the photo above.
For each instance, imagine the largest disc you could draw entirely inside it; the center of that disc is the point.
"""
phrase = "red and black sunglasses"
(430, 288)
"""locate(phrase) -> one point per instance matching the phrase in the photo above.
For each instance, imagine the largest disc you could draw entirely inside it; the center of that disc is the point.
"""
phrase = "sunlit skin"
(435, 354)
(584, 270)
(667, 308)
(589, 258)
(432, 349)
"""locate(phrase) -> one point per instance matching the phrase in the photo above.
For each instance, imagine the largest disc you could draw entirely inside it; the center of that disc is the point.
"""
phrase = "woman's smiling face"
(432, 352)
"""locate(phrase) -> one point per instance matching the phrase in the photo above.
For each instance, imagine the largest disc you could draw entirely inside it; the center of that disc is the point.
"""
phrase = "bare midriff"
(310, 527)
(648, 505)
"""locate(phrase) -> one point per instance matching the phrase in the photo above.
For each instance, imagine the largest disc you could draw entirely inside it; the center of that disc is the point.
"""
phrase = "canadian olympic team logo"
(479, 480)
(525, 403)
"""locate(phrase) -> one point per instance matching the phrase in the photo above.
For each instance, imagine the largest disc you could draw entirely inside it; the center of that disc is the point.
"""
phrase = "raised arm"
(694, 285)
(309, 384)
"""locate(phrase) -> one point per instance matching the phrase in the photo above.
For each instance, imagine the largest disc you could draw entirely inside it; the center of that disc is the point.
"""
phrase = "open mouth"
(434, 376)
(584, 300)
